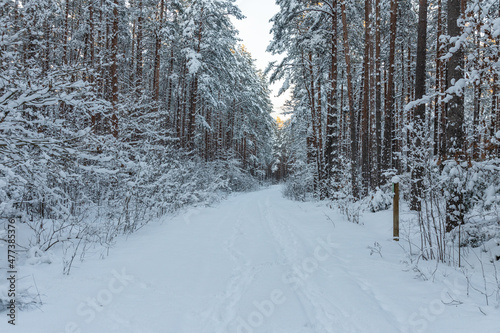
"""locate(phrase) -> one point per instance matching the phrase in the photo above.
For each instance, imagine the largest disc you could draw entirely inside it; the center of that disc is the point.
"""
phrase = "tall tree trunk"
(93, 118)
(495, 105)
(439, 74)
(410, 96)
(365, 120)
(378, 96)
(157, 56)
(207, 136)
(91, 35)
(314, 123)
(97, 120)
(455, 115)
(184, 103)
(138, 62)
(477, 99)
(352, 116)
(389, 135)
(332, 139)
(319, 148)
(66, 33)
(194, 90)
(419, 113)
(114, 72)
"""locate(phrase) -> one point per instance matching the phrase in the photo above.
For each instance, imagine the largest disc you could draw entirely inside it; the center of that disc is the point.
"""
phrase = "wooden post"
(396, 209)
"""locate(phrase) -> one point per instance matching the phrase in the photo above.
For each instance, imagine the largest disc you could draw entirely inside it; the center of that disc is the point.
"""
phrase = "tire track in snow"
(371, 293)
(222, 313)
(322, 314)
(275, 225)
(325, 310)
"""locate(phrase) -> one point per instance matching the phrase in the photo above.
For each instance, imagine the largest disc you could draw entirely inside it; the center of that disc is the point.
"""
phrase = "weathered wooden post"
(395, 208)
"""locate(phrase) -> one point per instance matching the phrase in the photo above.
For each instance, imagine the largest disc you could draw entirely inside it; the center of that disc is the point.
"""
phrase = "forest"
(388, 91)
(113, 113)
(118, 113)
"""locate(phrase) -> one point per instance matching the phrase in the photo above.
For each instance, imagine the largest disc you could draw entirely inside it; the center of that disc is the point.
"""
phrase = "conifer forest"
(118, 113)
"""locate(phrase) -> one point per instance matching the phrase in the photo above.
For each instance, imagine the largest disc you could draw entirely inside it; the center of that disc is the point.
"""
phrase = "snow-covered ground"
(255, 263)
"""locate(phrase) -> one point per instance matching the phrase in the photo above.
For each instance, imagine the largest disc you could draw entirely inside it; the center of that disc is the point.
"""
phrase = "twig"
(329, 219)
(38, 292)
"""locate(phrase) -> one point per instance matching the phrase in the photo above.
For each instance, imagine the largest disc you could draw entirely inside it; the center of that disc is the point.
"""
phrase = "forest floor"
(256, 262)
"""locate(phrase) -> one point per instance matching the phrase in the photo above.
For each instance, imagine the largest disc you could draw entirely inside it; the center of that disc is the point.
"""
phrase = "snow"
(194, 61)
(496, 28)
(36, 256)
(457, 88)
(255, 263)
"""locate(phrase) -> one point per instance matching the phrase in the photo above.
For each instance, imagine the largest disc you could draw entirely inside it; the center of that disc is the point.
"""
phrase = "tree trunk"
(352, 116)
(114, 72)
(194, 92)
(138, 62)
(332, 139)
(439, 74)
(389, 135)
(454, 129)
(314, 123)
(319, 148)
(66, 34)
(495, 112)
(365, 145)
(419, 113)
(378, 97)
(157, 56)
(93, 118)
(170, 80)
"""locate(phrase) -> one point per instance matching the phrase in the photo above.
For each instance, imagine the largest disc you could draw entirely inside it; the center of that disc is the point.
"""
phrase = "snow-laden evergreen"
(126, 126)
(101, 132)
(358, 120)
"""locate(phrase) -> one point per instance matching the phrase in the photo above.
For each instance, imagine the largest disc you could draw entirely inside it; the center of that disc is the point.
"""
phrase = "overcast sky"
(255, 33)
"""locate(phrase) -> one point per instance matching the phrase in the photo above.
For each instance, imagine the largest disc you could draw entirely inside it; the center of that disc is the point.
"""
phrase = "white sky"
(255, 34)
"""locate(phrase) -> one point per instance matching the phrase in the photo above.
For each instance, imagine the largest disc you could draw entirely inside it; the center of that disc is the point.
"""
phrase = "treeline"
(392, 87)
(118, 111)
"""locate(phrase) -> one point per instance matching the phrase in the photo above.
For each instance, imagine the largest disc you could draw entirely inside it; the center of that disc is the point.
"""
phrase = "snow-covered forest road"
(257, 262)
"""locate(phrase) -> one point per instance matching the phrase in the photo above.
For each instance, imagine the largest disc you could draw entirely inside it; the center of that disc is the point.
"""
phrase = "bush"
(379, 200)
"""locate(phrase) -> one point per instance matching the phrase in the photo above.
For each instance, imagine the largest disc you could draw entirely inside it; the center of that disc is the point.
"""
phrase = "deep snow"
(257, 262)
